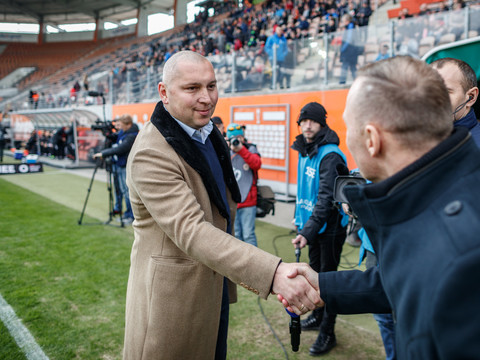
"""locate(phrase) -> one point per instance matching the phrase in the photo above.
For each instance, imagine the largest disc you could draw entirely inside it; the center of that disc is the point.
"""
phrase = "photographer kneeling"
(120, 150)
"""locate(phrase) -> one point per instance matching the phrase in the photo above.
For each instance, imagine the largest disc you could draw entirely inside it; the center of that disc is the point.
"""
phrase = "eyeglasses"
(231, 128)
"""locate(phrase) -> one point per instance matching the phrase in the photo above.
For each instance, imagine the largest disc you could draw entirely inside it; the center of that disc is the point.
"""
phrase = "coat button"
(453, 208)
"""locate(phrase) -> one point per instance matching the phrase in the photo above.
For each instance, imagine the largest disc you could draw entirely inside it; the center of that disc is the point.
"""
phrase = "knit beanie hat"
(313, 111)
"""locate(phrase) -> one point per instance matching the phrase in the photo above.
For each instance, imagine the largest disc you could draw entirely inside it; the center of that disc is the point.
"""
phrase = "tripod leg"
(88, 194)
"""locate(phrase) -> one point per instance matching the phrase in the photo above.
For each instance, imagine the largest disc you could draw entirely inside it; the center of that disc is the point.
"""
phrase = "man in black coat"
(420, 213)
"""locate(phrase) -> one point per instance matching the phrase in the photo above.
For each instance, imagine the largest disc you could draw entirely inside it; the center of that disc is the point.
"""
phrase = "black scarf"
(186, 148)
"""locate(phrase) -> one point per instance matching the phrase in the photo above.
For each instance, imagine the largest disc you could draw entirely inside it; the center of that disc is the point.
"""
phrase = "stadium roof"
(76, 11)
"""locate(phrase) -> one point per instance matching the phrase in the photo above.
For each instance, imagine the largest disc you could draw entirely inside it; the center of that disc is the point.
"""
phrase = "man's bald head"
(180, 57)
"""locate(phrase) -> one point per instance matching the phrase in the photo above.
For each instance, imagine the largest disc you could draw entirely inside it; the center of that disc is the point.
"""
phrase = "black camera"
(235, 141)
(346, 180)
(106, 127)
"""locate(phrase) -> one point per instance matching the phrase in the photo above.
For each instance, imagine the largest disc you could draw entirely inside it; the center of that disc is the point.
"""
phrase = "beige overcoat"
(180, 254)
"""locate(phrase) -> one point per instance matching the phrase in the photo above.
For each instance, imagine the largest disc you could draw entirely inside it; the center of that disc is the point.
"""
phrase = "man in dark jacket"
(318, 222)
(120, 150)
(461, 82)
(420, 212)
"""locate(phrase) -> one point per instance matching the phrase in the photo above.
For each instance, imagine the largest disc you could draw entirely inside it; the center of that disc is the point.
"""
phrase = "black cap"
(313, 111)
(217, 120)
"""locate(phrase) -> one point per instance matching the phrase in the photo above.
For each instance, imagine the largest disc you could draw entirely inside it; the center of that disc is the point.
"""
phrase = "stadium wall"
(270, 120)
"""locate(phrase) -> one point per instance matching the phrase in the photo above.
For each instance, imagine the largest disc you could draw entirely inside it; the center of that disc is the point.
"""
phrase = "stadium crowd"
(245, 32)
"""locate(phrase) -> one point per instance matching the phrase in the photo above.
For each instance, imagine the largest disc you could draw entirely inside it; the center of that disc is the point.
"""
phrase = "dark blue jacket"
(122, 146)
(470, 122)
(424, 226)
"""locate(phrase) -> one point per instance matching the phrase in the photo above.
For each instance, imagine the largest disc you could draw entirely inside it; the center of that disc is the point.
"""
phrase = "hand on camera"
(235, 144)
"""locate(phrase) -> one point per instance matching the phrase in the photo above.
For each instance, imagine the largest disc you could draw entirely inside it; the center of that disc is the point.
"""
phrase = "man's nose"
(204, 96)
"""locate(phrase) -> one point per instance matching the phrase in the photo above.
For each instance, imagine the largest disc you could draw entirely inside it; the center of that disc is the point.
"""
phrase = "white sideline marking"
(20, 333)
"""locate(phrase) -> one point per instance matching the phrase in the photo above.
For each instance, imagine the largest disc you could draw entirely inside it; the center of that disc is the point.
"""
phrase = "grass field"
(67, 282)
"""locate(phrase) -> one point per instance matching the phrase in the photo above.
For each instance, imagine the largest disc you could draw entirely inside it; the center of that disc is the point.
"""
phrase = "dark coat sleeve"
(323, 208)
(121, 149)
(353, 292)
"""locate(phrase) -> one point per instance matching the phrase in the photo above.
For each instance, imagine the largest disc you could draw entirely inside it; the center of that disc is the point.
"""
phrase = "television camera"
(106, 127)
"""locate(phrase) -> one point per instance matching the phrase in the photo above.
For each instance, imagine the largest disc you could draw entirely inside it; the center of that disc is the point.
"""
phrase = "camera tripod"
(109, 169)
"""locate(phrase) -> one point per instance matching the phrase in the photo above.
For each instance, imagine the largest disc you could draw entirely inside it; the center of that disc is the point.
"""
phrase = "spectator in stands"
(85, 82)
(330, 25)
(246, 162)
(383, 54)
(288, 67)
(120, 151)
(349, 50)
(76, 86)
(30, 98)
(363, 16)
(35, 98)
(278, 41)
(461, 82)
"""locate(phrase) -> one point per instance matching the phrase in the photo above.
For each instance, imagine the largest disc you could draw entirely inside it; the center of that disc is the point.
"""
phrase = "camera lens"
(235, 142)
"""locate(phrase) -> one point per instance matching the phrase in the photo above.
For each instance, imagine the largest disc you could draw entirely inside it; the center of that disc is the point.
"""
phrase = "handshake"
(296, 287)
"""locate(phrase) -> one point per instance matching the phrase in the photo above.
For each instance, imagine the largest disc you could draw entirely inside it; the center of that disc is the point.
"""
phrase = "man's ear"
(373, 140)
(472, 95)
(162, 91)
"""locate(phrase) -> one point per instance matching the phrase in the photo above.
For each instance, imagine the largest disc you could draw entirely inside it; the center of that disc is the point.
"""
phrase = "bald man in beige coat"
(182, 250)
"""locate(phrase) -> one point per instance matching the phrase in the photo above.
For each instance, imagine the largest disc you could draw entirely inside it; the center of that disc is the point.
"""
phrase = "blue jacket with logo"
(317, 171)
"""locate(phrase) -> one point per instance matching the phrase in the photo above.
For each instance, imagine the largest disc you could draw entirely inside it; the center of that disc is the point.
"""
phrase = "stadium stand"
(127, 68)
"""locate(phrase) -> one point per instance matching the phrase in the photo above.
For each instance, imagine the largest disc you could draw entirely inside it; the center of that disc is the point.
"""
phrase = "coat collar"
(184, 146)
(468, 121)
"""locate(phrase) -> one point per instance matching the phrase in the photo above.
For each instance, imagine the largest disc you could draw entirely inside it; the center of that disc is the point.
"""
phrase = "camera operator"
(246, 162)
(120, 150)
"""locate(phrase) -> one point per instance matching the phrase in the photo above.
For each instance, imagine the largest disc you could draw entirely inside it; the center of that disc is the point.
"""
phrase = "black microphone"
(295, 326)
(95, 93)
(295, 330)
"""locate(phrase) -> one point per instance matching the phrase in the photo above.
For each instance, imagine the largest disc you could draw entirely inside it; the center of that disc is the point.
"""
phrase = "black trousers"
(221, 349)
(324, 254)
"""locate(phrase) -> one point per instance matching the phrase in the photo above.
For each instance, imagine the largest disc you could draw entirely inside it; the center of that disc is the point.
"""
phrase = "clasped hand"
(296, 286)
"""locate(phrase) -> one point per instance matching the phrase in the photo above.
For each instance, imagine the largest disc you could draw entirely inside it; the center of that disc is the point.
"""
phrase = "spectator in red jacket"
(246, 162)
